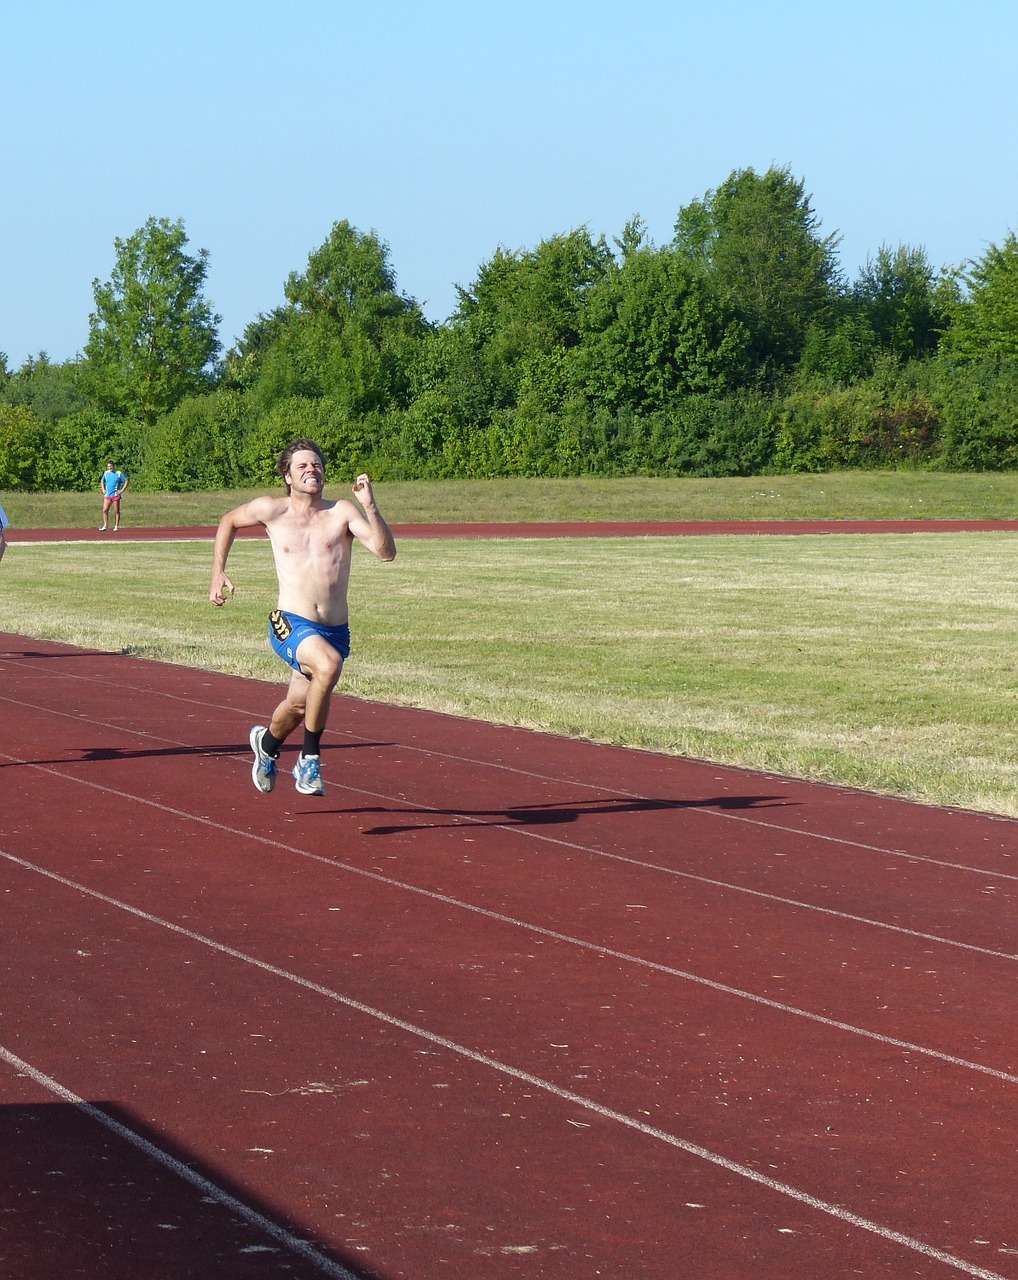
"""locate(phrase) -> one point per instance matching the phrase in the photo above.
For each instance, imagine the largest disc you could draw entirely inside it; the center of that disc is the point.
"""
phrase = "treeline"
(738, 348)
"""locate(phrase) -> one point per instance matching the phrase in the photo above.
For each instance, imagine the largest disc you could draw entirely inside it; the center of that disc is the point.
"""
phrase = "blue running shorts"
(287, 630)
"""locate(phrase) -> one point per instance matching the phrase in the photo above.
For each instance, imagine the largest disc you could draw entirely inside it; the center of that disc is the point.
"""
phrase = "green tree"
(51, 391)
(985, 322)
(898, 296)
(350, 280)
(841, 350)
(654, 329)
(346, 333)
(152, 337)
(21, 436)
(514, 327)
(243, 363)
(757, 238)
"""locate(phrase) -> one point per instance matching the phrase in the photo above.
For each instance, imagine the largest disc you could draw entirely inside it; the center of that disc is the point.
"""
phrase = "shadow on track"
(88, 755)
(91, 1190)
(544, 815)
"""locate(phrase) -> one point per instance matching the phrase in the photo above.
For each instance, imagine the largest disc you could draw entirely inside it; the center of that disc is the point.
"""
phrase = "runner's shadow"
(10, 654)
(91, 754)
(104, 754)
(546, 815)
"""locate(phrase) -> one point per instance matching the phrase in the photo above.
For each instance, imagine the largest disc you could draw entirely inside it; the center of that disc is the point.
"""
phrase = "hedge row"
(955, 418)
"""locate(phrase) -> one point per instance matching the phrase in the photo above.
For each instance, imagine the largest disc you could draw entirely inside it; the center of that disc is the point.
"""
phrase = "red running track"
(560, 529)
(499, 1005)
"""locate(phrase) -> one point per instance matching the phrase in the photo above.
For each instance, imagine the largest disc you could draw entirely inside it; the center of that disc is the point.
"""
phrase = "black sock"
(271, 745)
(312, 743)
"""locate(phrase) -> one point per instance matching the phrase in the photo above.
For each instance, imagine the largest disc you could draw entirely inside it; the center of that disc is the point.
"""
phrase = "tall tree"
(758, 239)
(346, 332)
(51, 391)
(152, 337)
(515, 326)
(242, 363)
(654, 330)
(350, 279)
(985, 322)
(898, 295)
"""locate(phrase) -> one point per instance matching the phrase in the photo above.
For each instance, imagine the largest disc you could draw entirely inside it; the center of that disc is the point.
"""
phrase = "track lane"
(106, 759)
(188, 1028)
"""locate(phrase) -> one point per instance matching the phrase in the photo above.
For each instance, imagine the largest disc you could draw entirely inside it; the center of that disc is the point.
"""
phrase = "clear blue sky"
(456, 126)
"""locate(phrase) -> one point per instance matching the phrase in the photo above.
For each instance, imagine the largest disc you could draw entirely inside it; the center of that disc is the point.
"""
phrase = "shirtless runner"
(312, 540)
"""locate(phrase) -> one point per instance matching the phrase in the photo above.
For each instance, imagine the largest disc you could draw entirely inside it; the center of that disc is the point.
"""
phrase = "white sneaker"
(308, 774)
(263, 771)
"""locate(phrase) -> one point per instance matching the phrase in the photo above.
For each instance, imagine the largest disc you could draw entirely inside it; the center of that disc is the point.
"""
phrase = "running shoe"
(308, 774)
(263, 771)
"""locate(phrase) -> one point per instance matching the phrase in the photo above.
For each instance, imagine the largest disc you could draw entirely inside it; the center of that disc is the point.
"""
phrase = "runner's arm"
(370, 530)
(244, 517)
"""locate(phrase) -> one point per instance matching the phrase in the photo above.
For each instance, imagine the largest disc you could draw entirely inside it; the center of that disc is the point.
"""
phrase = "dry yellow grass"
(885, 662)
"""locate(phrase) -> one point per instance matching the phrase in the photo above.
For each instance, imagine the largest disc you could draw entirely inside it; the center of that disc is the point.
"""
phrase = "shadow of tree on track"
(92, 1189)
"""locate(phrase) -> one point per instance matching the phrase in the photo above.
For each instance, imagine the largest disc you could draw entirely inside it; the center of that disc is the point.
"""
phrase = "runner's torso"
(312, 555)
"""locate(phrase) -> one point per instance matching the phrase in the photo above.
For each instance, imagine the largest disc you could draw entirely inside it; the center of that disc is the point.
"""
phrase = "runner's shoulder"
(262, 510)
(342, 508)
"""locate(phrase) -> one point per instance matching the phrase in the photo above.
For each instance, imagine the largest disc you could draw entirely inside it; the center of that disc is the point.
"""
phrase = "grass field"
(885, 662)
(839, 496)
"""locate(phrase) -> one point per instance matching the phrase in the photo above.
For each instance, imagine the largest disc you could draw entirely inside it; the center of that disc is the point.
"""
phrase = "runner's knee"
(327, 669)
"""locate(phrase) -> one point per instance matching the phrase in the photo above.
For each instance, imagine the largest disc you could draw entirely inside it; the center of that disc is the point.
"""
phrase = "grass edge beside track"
(732, 664)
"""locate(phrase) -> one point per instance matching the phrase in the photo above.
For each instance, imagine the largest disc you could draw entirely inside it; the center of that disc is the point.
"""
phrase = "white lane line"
(23, 541)
(838, 1212)
(718, 814)
(525, 832)
(252, 1217)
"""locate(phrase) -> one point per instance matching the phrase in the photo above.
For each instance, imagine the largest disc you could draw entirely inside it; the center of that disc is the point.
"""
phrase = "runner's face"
(306, 474)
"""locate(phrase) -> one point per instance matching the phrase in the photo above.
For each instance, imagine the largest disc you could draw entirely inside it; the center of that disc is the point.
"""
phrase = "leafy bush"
(197, 445)
(907, 433)
(862, 425)
(722, 436)
(927, 413)
(979, 416)
(416, 436)
(348, 444)
(77, 448)
(21, 438)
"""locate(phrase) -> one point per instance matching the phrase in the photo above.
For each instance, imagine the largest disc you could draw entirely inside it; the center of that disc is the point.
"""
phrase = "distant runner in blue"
(112, 484)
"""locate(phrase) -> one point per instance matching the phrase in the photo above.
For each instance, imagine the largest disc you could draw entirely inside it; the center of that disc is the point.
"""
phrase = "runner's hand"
(363, 491)
(221, 589)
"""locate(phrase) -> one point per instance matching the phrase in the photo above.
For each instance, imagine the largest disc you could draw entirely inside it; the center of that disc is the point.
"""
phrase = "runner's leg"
(323, 666)
(290, 712)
